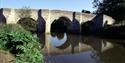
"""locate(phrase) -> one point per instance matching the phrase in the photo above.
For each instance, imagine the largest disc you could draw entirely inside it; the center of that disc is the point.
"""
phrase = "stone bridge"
(11, 16)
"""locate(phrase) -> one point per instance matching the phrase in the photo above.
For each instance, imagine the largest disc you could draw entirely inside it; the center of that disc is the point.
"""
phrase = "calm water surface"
(66, 48)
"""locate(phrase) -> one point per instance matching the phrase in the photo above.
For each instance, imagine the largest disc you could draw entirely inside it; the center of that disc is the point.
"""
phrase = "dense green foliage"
(21, 43)
(28, 24)
(114, 8)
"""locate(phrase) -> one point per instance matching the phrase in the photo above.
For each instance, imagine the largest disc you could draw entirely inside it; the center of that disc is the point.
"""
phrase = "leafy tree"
(113, 8)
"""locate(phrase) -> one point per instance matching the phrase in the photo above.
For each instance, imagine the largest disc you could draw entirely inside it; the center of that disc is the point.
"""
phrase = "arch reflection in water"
(64, 44)
(80, 49)
(58, 39)
(63, 41)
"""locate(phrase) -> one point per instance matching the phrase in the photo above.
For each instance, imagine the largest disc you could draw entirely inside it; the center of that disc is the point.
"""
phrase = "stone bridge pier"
(48, 16)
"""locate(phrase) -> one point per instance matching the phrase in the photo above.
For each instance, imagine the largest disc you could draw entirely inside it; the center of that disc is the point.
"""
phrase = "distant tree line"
(85, 11)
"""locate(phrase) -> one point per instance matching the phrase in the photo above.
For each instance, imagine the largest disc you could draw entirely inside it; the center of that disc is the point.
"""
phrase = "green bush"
(28, 24)
(21, 43)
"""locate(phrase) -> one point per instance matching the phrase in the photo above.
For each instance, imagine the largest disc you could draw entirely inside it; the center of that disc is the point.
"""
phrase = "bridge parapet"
(49, 16)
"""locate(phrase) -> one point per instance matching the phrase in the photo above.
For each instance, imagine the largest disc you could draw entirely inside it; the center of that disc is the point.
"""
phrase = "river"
(68, 48)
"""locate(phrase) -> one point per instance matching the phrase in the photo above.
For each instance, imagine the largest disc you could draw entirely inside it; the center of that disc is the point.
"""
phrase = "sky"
(69, 5)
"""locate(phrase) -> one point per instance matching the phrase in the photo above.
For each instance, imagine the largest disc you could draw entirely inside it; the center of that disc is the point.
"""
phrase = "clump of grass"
(21, 43)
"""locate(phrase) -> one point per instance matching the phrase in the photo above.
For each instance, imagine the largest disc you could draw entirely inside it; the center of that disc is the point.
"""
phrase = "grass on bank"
(20, 43)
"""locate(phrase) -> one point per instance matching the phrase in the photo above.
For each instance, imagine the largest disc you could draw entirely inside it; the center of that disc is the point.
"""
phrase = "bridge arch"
(11, 16)
(62, 24)
(28, 23)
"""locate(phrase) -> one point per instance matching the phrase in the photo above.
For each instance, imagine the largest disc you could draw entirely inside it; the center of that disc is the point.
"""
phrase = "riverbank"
(20, 43)
(113, 32)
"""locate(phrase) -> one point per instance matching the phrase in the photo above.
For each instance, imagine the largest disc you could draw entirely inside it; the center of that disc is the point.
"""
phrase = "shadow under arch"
(61, 25)
(2, 17)
(41, 25)
(85, 28)
(28, 24)
(93, 26)
(75, 25)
